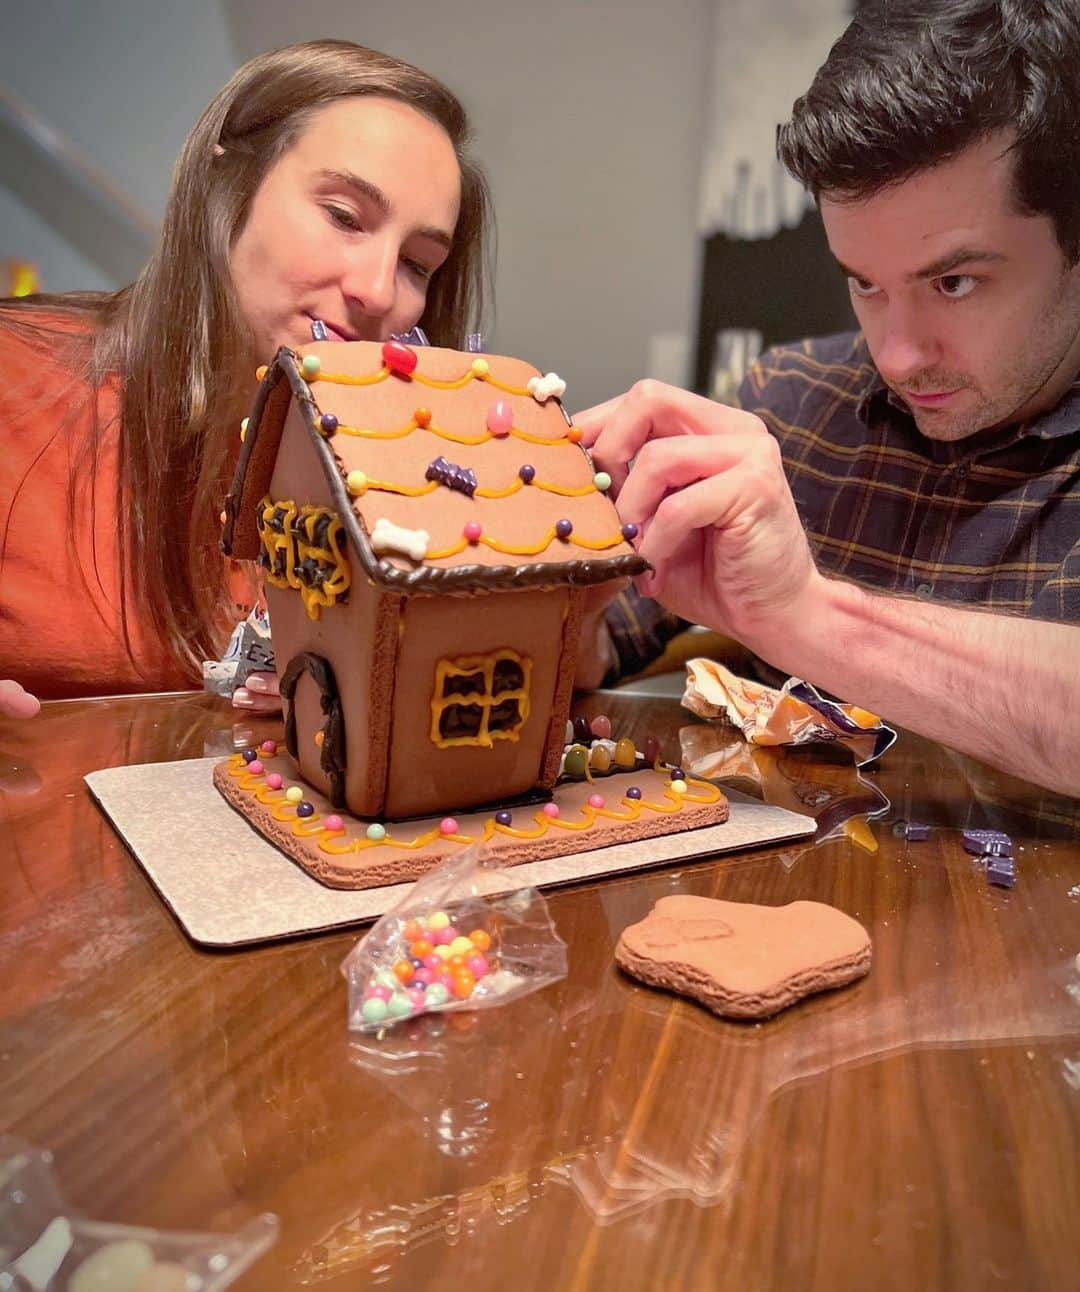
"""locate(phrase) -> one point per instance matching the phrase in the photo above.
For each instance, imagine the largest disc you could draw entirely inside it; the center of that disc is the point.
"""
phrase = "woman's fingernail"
(256, 683)
(241, 699)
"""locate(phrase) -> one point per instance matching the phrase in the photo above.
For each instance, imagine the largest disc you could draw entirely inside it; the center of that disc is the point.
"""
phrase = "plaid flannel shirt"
(991, 521)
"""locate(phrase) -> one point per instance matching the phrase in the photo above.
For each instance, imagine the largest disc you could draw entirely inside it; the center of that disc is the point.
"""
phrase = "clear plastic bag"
(465, 936)
(46, 1247)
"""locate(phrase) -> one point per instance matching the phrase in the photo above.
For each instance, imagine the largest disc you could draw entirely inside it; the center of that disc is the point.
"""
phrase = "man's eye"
(343, 217)
(861, 287)
(956, 286)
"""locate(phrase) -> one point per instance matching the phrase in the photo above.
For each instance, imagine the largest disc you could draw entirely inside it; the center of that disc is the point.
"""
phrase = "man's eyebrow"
(946, 264)
(380, 201)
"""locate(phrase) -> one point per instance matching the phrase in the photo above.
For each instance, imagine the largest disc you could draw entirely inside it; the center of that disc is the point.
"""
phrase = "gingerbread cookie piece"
(742, 960)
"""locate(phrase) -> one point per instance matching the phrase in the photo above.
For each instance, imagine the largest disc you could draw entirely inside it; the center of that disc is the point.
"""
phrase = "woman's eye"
(956, 286)
(861, 287)
(416, 268)
(343, 217)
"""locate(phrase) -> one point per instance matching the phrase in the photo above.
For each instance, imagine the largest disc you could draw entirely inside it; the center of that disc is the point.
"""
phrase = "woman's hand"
(259, 694)
(706, 486)
(17, 703)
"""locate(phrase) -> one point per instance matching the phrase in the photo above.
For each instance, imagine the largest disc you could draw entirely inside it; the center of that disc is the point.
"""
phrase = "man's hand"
(17, 703)
(705, 484)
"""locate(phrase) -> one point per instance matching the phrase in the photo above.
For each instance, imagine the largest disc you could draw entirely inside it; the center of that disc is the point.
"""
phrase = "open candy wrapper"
(46, 1247)
(462, 937)
(794, 715)
(250, 650)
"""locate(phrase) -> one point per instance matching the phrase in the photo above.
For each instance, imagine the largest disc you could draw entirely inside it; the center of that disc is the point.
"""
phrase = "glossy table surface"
(920, 1129)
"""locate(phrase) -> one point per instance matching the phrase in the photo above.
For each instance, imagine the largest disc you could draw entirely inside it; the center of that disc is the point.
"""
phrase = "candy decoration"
(304, 810)
(677, 774)
(601, 727)
(356, 483)
(551, 810)
(436, 995)
(582, 730)
(460, 479)
(503, 817)
(255, 767)
(576, 761)
(249, 755)
(260, 372)
(629, 531)
(417, 998)
(500, 418)
(596, 800)
(399, 358)
(412, 931)
(564, 528)
(440, 920)
(480, 368)
(294, 794)
(527, 473)
(373, 1010)
(311, 366)
(403, 971)
(678, 787)
(274, 781)
(422, 417)
(388, 537)
(633, 792)
(625, 753)
(652, 750)
(472, 531)
(480, 939)
(602, 481)
(477, 965)
(600, 758)
(547, 387)
(461, 946)
(328, 423)
(575, 434)
(269, 746)
(448, 825)
(334, 822)
(376, 832)
(424, 977)
(400, 1006)
(421, 949)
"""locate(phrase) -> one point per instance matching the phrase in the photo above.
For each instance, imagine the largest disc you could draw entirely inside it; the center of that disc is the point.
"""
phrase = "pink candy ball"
(601, 727)
(433, 961)
(378, 993)
(334, 823)
(596, 800)
(479, 965)
(448, 825)
(442, 937)
(551, 810)
(416, 996)
(255, 767)
(472, 531)
(426, 975)
(500, 417)
(269, 746)
(274, 781)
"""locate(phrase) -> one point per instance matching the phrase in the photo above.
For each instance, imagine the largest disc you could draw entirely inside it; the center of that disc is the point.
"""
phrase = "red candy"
(601, 727)
(399, 358)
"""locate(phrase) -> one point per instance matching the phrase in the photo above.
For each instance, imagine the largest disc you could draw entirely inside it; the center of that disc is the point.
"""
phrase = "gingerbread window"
(480, 699)
(302, 548)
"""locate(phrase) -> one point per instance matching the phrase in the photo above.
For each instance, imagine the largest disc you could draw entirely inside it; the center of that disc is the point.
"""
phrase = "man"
(895, 515)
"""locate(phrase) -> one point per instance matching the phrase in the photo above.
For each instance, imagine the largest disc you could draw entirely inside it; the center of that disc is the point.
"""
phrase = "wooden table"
(918, 1130)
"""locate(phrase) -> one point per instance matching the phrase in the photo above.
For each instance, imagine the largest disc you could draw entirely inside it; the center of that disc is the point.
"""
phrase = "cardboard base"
(228, 887)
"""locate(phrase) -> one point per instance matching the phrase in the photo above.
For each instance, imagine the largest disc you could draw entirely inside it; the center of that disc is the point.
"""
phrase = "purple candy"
(999, 848)
(917, 831)
(975, 841)
(1001, 871)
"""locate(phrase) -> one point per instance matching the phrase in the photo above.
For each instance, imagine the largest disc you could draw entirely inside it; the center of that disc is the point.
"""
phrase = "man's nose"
(906, 347)
(369, 282)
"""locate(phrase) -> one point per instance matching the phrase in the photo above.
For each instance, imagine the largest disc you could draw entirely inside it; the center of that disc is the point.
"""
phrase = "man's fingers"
(709, 503)
(16, 702)
(666, 465)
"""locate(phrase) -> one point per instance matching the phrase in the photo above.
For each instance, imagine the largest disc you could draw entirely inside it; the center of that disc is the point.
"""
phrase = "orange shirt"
(60, 623)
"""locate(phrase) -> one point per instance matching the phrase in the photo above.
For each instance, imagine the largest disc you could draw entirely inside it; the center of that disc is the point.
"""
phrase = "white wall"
(589, 118)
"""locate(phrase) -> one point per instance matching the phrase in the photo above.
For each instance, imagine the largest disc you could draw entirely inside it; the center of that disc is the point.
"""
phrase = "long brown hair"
(172, 334)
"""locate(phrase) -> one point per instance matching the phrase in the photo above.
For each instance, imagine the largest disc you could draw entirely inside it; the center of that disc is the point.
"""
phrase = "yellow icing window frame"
(485, 699)
(297, 542)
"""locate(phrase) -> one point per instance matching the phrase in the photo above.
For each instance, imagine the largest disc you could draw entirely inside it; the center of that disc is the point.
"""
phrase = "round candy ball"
(255, 767)
(527, 473)
(412, 931)
(678, 787)
(403, 971)
(421, 948)
(472, 531)
(477, 965)
(439, 920)
(464, 982)
(328, 423)
(249, 755)
(334, 822)
(311, 366)
(601, 727)
(304, 810)
(274, 780)
(400, 1005)
(294, 794)
(461, 946)
(424, 976)
(448, 826)
(432, 961)
(596, 800)
(417, 998)
(633, 792)
(564, 528)
(373, 1010)
(630, 531)
(480, 939)
(503, 817)
(442, 938)
(436, 995)
(551, 810)
(269, 746)
(376, 832)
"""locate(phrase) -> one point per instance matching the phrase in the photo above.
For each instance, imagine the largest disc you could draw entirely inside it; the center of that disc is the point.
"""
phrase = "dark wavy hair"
(912, 83)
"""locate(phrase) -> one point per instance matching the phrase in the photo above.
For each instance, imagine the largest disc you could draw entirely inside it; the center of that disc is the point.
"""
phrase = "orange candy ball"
(480, 940)
(456, 963)
(463, 983)
(422, 417)
(403, 971)
(420, 948)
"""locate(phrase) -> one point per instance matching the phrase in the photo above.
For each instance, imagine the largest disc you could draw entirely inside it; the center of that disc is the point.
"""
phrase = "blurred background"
(644, 227)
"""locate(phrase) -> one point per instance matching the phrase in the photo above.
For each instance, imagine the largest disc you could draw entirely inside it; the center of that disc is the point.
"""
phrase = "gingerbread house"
(428, 524)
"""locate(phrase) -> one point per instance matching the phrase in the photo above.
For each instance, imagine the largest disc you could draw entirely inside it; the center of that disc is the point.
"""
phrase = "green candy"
(436, 995)
(400, 1005)
(311, 366)
(577, 759)
(373, 1010)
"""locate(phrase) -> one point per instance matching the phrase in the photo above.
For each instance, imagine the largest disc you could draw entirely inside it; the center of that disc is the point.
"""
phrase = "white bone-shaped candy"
(388, 537)
(544, 388)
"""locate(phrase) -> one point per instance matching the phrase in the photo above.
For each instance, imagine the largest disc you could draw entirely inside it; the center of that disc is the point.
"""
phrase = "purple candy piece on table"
(1001, 871)
(975, 841)
(917, 831)
(415, 336)
(999, 848)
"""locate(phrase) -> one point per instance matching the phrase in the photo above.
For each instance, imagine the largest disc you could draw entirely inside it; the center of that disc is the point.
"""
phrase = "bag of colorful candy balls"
(465, 936)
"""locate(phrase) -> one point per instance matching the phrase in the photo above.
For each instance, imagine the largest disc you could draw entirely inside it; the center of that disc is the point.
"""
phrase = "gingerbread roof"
(449, 472)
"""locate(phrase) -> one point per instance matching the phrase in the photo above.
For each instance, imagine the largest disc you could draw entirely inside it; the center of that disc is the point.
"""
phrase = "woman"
(325, 181)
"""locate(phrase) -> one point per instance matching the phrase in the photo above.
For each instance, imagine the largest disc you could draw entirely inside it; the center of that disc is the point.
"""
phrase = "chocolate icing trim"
(462, 578)
(332, 759)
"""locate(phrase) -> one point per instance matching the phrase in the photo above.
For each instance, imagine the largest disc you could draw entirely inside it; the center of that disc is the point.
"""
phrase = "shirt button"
(961, 471)
(924, 590)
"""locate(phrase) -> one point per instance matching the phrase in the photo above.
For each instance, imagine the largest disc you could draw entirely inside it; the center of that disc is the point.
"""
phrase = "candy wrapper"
(794, 715)
(462, 937)
(250, 650)
(47, 1247)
